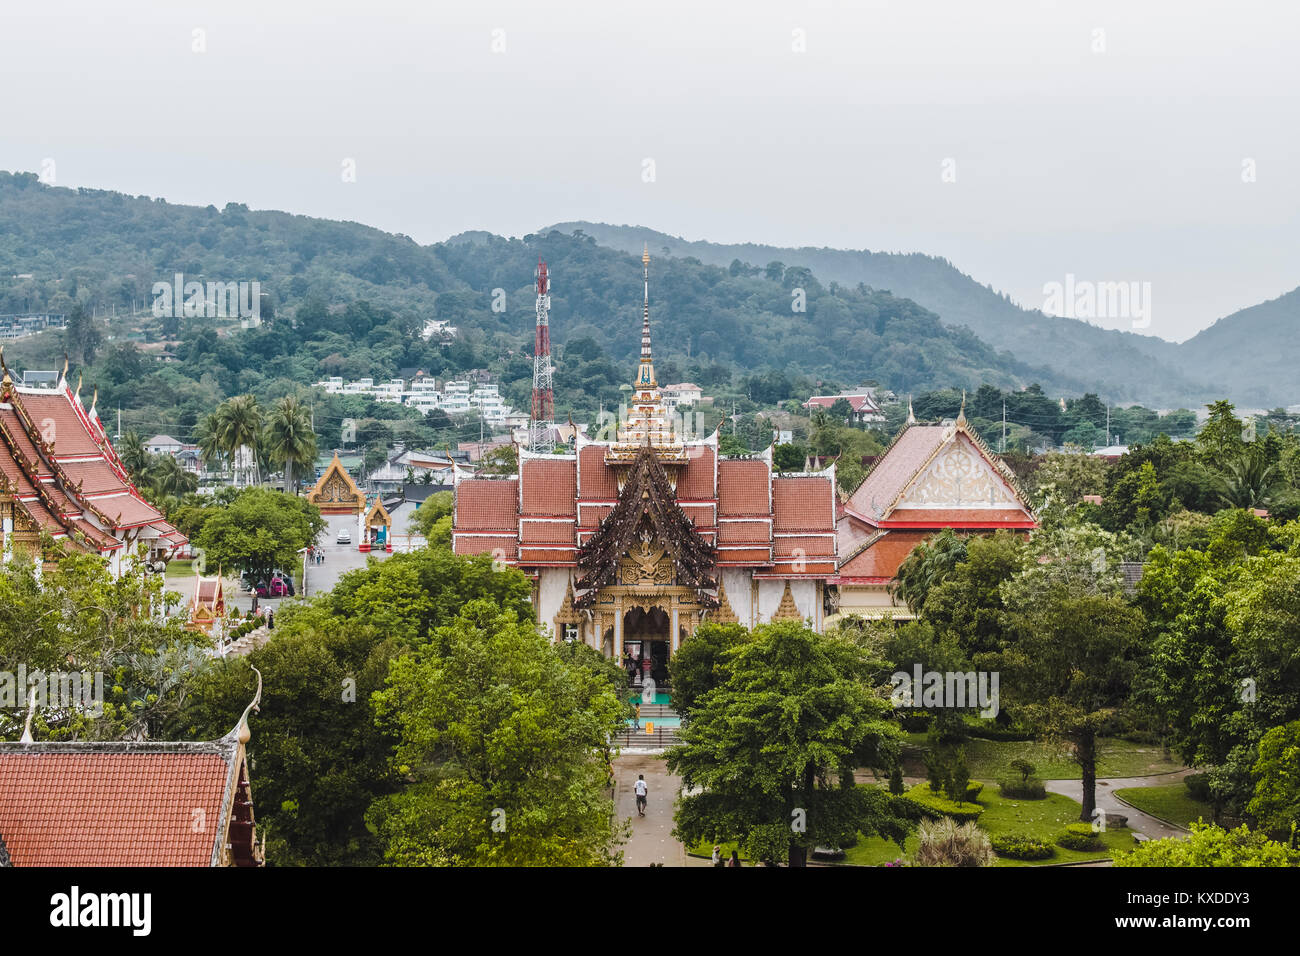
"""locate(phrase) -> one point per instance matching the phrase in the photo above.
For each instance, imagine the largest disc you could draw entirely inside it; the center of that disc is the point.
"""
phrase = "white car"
(345, 537)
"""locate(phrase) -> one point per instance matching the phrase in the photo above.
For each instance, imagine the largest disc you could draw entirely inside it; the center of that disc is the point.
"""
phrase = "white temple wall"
(552, 584)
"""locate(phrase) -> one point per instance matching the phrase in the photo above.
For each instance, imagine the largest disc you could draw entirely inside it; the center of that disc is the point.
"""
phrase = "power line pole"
(1003, 451)
(1108, 424)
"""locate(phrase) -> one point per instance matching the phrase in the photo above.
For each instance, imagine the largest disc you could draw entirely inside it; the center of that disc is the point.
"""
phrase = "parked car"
(345, 537)
(278, 587)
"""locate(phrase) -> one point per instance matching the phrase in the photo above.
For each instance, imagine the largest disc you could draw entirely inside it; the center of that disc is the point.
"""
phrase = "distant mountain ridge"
(1221, 360)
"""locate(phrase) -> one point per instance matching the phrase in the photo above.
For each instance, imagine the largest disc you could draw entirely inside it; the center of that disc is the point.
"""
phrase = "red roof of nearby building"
(881, 558)
(487, 504)
(549, 486)
(597, 480)
(803, 504)
(744, 487)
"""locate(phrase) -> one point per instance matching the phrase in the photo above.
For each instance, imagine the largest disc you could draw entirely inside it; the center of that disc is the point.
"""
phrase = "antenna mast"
(541, 429)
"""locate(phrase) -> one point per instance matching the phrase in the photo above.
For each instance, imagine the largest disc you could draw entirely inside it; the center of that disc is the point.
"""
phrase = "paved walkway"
(652, 838)
(1141, 822)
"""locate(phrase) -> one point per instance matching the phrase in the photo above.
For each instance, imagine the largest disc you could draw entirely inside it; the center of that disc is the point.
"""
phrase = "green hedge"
(1022, 789)
(1019, 847)
(1079, 836)
(933, 806)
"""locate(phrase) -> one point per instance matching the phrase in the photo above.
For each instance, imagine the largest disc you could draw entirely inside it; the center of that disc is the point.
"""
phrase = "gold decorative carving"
(787, 610)
(959, 478)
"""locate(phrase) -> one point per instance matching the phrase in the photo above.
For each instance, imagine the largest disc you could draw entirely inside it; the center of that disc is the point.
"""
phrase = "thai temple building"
(632, 543)
(930, 478)
(59, 475)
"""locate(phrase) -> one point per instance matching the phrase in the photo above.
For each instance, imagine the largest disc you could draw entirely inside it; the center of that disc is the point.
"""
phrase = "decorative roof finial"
(94, 400)
(254, 705)
(911, 416)
(63, 378)
(961, 414)
(77, 393)
(27, 737)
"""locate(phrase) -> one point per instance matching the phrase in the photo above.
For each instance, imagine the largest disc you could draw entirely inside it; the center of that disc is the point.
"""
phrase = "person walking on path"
(641, 791)
(717, 855)
(735, 860)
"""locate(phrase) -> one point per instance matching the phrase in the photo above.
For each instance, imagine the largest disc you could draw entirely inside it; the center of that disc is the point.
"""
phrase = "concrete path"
(652, 838)
(1138, 821)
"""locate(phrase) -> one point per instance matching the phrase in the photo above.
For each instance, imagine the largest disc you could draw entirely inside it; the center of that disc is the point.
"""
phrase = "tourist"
(717, 855)
(735, 860)
(270, 619)
(636, 721)
(641, 791)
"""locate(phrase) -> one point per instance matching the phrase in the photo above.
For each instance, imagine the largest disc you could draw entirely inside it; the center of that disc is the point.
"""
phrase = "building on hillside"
(930, 478)
(60, 475)
(862, 403)
(163, 445)
(632, 543)
(40, 378)
(683, 393)
(129, 802)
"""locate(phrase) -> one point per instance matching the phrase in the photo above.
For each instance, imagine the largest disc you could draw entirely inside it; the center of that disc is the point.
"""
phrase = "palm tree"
(168, 478)
(930, 564)
(239, 422)
(207, 435)
(1249, 480)
(134, 456)
(290, 437)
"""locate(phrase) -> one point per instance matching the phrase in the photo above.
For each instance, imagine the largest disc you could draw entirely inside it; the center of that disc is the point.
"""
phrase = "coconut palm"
(134, 455)
(289, 437)
(207, 435)
(930, 564)
(239, 424)
(168, 478)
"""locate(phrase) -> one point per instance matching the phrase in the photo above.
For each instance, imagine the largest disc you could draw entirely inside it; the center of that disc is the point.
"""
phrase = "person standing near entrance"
(641, 791)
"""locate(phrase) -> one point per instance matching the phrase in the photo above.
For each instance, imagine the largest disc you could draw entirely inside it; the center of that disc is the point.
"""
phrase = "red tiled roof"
(471, 544)
(546, 532)
(729, 556)
(111, 809)
(881, 560)
(743, 487)
(549, 486)
(806, 544)
(597, 479)
(896, 468)
(696, 480)
(22, 443)
(531, 556)
(95, 476)
(745, 532)
(803, 504)
(53, 415)
(485, 504)
(100, 539)
(592, 515)
(125, 510)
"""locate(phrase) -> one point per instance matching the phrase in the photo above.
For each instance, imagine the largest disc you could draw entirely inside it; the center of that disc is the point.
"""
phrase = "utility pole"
(1004, 427)
(1107, 424)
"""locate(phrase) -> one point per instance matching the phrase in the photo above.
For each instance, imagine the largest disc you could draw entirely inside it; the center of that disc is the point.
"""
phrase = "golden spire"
(961, 414)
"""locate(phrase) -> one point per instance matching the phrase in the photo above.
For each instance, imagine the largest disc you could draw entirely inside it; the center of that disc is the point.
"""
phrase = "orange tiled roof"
(471, 544)
(743, 487)
(803, 504)
(696, 481)
(487, 504)
(882, 558)
(550, 486)
(597, 480)
(115, 804)
(896, 468)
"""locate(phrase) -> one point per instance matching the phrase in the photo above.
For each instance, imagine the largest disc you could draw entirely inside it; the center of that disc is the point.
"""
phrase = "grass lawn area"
(991, 759)
(1042, 819)
(180, 569)
(1171, 802)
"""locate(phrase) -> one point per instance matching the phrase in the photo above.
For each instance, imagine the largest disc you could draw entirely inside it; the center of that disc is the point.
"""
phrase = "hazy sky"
(1112, 155)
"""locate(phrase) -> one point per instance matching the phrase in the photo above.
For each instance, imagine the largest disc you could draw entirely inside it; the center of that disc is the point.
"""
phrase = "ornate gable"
(958, 476)
(646, 539)
(336, 493)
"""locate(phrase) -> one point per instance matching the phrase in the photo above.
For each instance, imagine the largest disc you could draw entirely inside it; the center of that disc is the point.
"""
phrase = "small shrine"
(208, 606)
(377, 532)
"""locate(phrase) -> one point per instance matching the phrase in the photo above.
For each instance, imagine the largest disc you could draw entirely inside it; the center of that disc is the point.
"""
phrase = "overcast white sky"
(1117, 165)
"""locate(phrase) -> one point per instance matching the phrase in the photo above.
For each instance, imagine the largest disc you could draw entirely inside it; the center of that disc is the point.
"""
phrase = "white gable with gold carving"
(959, 476)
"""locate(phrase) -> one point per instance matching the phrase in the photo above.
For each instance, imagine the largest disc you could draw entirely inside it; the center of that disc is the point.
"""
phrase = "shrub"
(1210, 845)
(1079, 836)
(948, 843)
(896, 786)
(934, 806)
(1024, 768)
(1198, 786)
(1018, 847)
(973, 790)
(1023, 789)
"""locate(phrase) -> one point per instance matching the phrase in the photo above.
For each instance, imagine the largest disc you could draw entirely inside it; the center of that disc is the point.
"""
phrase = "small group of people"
(315, 555)
(718, 859)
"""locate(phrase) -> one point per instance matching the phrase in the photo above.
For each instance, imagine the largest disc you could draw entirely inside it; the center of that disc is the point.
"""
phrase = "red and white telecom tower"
(541, 429)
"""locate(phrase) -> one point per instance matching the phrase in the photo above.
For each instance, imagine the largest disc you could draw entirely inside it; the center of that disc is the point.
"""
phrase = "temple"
(930, 478)
(60, 476)
(632, 543)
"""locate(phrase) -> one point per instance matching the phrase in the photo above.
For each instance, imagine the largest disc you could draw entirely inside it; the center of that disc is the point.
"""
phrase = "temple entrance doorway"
(645, 639)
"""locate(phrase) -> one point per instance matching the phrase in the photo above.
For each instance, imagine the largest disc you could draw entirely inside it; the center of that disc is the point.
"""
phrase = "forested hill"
(106, 250)
(1253, 355)
(1121, 365)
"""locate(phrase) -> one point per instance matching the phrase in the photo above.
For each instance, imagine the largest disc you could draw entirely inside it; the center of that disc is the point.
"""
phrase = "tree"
(500, 461)
(135, 457)
(1071, 661)
(502, 744)
(1276, 804)
(769, 753)
(76, 617)
(841, 409)
(169, 479)
(699, 665)
(929, 564)
(789, 457)
(1248, 479)
(290, 437)
(1211, 845)
(239, 425)
(259, 532)
(432, 517)
(82, 337)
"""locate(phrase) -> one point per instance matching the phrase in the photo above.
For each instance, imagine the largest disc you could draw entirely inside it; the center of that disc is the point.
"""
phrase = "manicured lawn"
(991, 760)
(1043, 819)
(180, 569)
(1171, 802)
